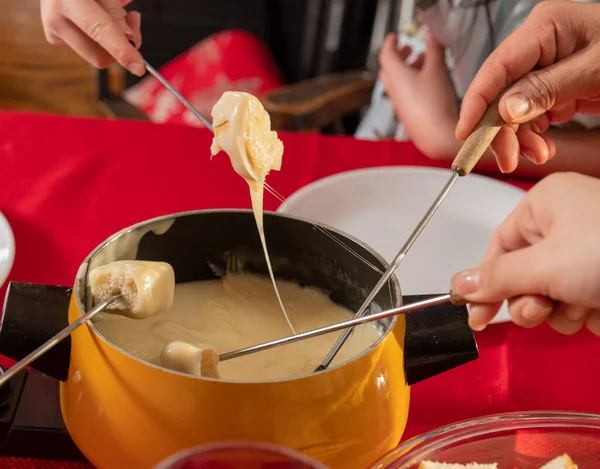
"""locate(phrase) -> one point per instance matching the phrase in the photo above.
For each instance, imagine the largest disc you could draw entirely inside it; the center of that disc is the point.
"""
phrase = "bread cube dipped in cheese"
(243, 130)
(193, 360)
(147, 287)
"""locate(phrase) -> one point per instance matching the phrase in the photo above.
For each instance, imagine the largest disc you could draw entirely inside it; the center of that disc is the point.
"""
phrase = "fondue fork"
(469, 154)
(178, 95)
(437, 300)
(42, 349)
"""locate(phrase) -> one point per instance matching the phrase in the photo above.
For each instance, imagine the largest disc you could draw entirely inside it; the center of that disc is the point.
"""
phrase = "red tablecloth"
(66, 184)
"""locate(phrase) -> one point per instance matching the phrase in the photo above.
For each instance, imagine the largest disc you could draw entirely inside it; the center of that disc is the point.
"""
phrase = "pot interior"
(205, 245)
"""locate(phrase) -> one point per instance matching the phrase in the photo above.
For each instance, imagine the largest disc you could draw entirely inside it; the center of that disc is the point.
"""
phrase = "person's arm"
(576, 150)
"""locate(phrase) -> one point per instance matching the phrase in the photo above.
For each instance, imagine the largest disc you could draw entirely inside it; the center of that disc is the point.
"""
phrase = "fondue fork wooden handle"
(437, 300)
(480, 139)
(42, 349)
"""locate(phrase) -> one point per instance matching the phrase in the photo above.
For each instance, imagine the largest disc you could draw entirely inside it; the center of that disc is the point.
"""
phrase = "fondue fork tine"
(466, 159)
(42, 349)
(437, 300)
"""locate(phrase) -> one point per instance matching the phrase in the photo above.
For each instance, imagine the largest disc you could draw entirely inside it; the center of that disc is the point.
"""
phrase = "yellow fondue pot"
(124, 413)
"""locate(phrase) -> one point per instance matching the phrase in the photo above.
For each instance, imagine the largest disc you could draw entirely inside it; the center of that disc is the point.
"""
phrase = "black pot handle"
(32, 315)
(437, 339)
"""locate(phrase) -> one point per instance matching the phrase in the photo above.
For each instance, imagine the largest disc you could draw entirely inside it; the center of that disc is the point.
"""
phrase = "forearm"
(576, 150)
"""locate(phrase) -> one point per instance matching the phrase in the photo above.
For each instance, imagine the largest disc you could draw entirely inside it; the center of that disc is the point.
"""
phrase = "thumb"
(435, 57)
(570, 79)
(520, 272)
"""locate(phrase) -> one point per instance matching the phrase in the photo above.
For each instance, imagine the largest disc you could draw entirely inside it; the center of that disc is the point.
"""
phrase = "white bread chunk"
(561, 462)
(243, 130)
(187, 358)
(147, 287)
(443, 465)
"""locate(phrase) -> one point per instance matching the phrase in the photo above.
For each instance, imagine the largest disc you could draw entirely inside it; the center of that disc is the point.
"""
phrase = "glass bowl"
(239, 455)
(516, 440)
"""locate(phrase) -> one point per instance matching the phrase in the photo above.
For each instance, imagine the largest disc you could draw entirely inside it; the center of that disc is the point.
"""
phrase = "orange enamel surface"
(123, 413)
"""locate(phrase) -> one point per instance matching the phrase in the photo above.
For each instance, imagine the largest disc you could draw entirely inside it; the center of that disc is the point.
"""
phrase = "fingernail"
(137, 68)
(536, 128)
(517, 106)
(527, 154)
(535, 311)
(575, 314)
(457, 299)
(458, 131)
(499, 161)
(478, 317)
(466, 282)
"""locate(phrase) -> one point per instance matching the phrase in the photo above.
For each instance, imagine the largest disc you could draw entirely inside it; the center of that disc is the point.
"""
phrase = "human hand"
(544, 259)
(423, 96)
(97, 30)
(553, 58)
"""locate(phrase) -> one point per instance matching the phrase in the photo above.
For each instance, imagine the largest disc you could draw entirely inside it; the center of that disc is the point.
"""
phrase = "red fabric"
(68, 183)
(228, 61)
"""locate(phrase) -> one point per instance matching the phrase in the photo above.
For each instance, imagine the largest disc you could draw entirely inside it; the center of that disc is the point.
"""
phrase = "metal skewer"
(469, 154)
(178, 95)
(42, 349)
(336, 327)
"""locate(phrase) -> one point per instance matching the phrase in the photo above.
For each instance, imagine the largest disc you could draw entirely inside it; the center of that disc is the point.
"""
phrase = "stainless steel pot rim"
(419, 447)
(80, 282)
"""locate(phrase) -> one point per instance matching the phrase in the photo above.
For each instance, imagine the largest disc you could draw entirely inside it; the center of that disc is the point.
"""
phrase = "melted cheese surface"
(236, 312)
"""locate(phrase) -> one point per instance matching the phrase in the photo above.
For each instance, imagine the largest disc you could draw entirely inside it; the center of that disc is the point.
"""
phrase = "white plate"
(382, 206)
(7, 249)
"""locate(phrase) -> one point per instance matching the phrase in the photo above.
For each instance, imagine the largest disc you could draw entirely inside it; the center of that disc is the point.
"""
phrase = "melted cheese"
(233, 313)
(243, 130)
